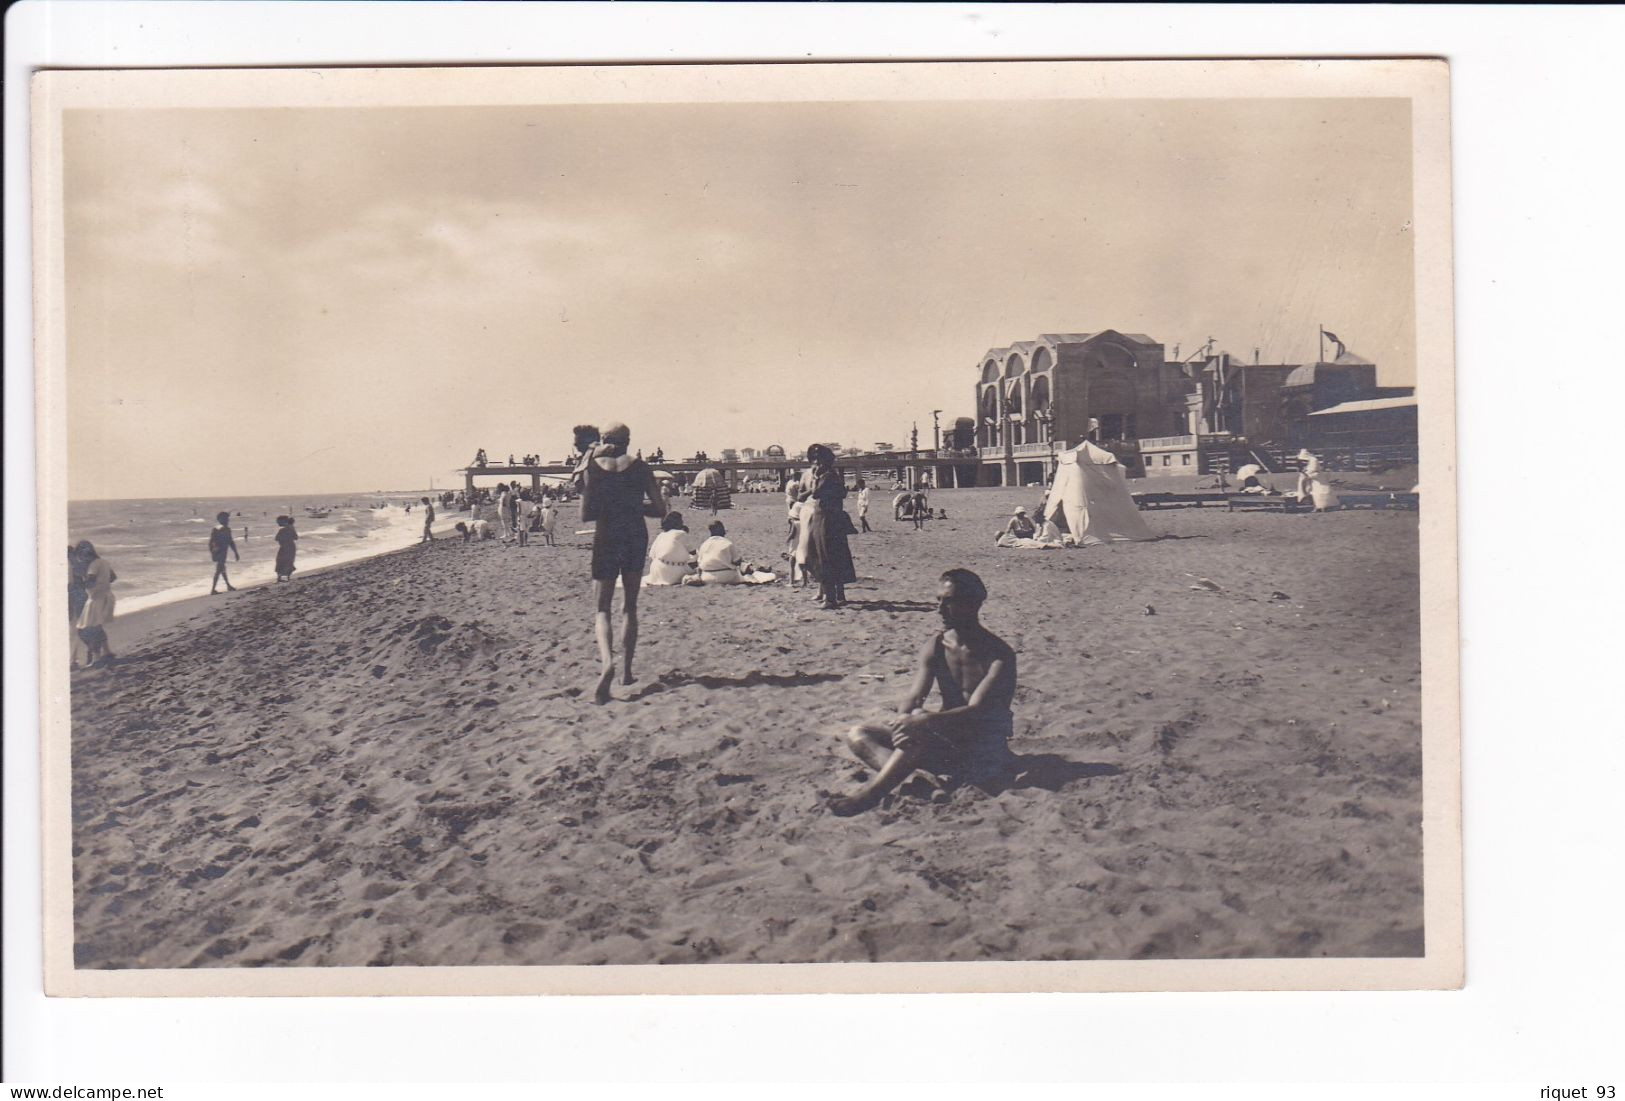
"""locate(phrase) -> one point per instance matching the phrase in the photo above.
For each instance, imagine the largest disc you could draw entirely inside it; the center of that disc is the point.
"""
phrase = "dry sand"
(397, 762)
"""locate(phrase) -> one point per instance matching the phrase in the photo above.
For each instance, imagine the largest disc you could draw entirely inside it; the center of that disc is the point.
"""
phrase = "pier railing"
(1027, 450)
(1152, 443)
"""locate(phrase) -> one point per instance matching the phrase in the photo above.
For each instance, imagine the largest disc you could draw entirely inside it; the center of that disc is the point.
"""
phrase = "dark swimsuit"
(980, 751)
(620, 539)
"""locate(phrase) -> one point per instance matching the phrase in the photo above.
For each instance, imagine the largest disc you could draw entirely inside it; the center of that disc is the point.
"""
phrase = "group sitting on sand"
(675, 560)
(1022, 533)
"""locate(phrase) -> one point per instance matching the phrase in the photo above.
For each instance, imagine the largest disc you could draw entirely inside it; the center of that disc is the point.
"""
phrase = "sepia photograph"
(676, 528)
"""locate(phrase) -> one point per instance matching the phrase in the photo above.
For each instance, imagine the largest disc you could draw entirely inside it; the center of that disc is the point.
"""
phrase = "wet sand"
(398, 761)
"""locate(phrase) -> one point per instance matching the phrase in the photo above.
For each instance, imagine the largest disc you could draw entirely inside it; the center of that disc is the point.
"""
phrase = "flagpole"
(1322, 344)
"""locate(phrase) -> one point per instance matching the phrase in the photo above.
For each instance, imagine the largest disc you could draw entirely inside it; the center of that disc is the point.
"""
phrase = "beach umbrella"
(662, 474)
(1248, 471)
(711, 490)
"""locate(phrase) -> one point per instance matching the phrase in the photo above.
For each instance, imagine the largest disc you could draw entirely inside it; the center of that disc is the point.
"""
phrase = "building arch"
(1040, 416)
(1042, 361)
(1113, 403)
(988, 411)
(1015, 411)
(990, 371)
(1110, 356)
(1040, 397)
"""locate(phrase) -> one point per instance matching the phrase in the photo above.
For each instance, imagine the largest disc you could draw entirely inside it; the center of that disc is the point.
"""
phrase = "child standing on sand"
(795, 546)
(550, 520)
(220, 541)
(526, 508)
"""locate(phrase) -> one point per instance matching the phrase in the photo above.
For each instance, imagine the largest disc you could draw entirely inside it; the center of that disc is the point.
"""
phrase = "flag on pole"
(1331, 336)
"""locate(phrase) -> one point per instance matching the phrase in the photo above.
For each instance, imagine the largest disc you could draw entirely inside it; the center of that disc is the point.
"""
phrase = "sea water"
(160, 548)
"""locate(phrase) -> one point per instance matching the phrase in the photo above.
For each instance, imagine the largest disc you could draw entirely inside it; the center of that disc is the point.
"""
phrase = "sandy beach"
(398, 761)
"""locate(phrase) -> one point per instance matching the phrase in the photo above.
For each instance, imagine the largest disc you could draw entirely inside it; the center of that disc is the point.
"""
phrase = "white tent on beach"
(1091, 493)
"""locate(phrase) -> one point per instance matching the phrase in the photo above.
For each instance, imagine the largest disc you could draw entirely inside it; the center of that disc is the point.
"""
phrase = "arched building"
(1037, 397)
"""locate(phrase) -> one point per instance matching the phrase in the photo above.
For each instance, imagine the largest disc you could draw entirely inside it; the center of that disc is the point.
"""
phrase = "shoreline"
(145, 625)
(174, 596)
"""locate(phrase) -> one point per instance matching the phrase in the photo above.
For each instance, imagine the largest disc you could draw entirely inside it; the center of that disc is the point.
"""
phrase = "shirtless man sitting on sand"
(968, 740)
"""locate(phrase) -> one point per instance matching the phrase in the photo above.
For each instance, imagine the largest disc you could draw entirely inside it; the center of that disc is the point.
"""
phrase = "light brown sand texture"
(398, 762)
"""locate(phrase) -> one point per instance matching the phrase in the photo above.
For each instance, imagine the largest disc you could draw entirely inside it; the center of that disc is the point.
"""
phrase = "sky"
(267, 301)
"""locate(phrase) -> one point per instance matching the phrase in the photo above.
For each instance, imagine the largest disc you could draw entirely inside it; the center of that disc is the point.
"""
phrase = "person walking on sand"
(99, 601)
(428, 520)
(618, 491)
(286, 546)
(863, 507)
(220, 542)
(968, 740)
(829, 557)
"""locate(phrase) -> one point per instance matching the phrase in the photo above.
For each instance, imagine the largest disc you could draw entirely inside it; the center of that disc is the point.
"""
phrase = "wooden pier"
(947, 470)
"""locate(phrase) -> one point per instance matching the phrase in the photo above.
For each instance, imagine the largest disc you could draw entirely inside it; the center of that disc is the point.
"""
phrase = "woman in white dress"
(805, 519)
(795, 495)
(1314, 483)
(719, 560)
(98, 609)
(671, 555)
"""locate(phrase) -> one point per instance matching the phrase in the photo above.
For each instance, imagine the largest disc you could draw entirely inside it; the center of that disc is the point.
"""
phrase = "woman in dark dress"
(829, 557)
(286, 546)
(618, 491)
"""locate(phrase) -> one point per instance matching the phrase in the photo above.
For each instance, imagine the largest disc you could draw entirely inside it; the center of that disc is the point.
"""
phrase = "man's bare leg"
(872, 744)
(631, 580)
(605, 592)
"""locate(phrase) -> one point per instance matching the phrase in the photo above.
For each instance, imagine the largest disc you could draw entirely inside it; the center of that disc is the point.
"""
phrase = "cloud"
(182, 222)
(443, 253)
